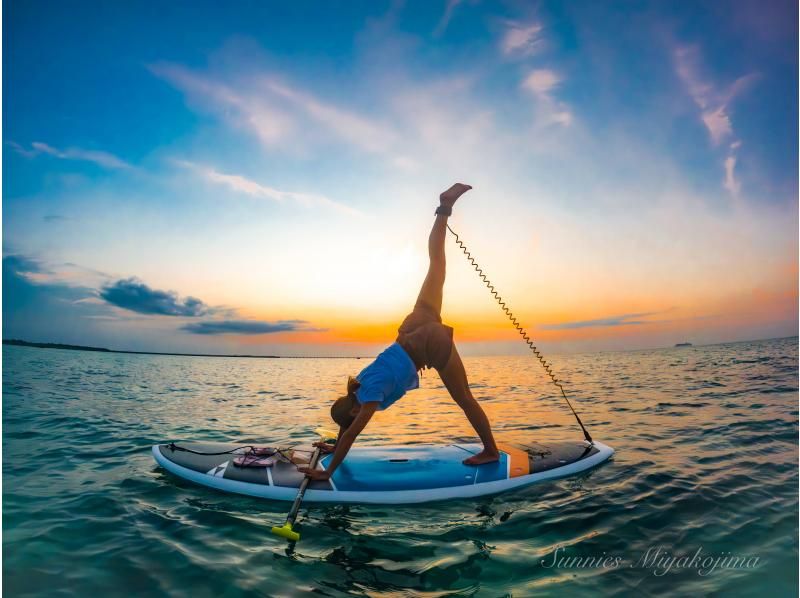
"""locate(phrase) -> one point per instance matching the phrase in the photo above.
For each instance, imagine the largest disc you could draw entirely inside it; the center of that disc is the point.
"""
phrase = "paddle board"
(386, 474)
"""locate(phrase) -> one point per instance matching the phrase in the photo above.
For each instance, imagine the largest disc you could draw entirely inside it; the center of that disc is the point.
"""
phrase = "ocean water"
(707, 460)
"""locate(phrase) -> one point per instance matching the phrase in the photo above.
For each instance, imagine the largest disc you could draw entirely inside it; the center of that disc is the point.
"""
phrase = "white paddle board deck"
(388, 474)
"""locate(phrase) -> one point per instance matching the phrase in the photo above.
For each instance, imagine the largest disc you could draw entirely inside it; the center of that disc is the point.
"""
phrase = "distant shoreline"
(67, 347)
(21, 343)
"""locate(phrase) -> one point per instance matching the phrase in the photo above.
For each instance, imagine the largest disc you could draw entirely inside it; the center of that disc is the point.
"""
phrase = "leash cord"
(523, 333)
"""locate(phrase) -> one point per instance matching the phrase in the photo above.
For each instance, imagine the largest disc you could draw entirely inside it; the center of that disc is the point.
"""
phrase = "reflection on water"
(706, 441)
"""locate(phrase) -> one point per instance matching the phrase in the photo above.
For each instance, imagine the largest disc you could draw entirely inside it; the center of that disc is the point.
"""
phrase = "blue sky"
(276, 163)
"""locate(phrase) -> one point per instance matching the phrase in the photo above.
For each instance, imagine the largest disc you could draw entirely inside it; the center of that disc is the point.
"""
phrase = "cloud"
(39, 309)
(714, 107)
(714, 103)
(37, 306)
(21, 265)
(134, 295)
(731, 183)
(249, 112)
(286, 115)
(104, 159)
(521, 38)
(541, 83)
(67, 274)
(718, 124)
(623, 320)
(351, 127)
(276, 112)
(245, 327)
(242, 184)
(449, 9)
(28, 153)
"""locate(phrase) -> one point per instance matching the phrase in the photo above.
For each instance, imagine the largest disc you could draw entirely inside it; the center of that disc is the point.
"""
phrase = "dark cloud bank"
(54, 311)
(134, 295)
(47, 311)
(244, 327)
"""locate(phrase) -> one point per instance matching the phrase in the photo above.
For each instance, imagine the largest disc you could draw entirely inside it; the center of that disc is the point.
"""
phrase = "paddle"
(286, 530)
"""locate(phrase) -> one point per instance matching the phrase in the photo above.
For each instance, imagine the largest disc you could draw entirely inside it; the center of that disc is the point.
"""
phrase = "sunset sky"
(260, 177)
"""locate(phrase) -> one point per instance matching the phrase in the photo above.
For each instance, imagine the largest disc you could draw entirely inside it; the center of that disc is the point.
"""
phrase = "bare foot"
(483, 457)
(449, 197)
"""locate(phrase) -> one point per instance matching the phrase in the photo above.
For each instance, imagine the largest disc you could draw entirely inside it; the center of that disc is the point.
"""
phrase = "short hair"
(341, 410)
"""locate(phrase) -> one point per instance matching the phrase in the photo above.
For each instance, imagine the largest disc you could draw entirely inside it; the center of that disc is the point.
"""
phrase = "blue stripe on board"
(412, 468)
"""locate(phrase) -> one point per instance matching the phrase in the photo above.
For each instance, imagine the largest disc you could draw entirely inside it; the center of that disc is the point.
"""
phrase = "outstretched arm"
(344, 442)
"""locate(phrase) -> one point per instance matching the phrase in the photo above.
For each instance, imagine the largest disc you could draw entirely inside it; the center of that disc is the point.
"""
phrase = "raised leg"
(432, 289)
(454, 377)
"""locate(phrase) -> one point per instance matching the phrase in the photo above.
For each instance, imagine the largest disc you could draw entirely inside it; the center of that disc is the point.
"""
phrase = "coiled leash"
(523, 333)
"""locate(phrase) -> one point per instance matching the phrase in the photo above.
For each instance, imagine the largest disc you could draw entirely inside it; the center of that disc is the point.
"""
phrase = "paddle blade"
(286, 531)
(326, 434)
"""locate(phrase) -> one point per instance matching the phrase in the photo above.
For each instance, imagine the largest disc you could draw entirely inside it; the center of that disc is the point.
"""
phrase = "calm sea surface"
(707, 459)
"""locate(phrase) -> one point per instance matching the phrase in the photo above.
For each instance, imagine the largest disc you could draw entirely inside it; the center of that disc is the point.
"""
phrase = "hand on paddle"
(324, 447)
(315, 474)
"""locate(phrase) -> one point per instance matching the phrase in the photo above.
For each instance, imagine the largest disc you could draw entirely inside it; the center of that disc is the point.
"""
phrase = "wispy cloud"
(715, 107)
(248, 112)
(281, 113)
(731, 183)
(245, 327)
(66, 273)
(623, 320)
(452, 133)
(28, 153)
(714, 103)
(246, 186)
(521, 39)
(542, 83)
(104, 159)
(449, 9)
(132, 294)
(277, 112)
(346, 125)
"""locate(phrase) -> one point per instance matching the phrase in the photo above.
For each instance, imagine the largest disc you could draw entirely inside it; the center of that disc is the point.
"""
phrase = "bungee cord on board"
(248, 449)
(523, 333)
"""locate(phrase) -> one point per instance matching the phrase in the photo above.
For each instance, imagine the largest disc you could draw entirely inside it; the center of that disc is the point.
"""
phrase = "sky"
(260, 177)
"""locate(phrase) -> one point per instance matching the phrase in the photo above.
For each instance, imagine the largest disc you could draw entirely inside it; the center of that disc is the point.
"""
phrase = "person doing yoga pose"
(423, 341)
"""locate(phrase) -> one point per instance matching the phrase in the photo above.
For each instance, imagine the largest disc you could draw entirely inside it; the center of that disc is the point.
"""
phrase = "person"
(423, 341)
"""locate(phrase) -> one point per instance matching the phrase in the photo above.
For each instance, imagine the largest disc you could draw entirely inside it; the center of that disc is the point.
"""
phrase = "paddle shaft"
(292, 516)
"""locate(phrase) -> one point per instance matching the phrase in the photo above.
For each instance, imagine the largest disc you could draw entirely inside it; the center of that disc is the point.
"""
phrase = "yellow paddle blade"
(286, 531)
(325, 434)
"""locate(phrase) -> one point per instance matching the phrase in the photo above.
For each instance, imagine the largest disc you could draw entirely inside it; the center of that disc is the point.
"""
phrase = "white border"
(387, 496)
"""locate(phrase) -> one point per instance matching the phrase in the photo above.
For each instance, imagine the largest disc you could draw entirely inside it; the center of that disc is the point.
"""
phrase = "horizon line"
(90, 349)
